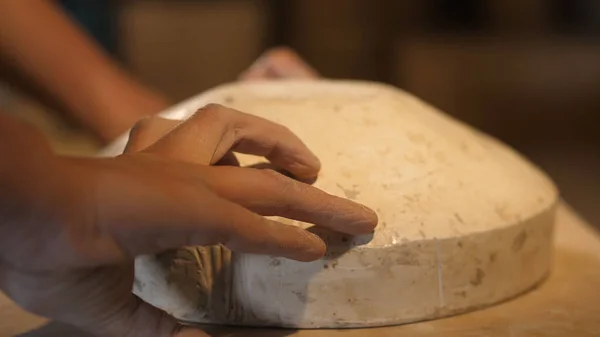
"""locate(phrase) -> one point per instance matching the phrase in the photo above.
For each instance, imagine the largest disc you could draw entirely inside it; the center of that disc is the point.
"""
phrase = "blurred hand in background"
(279, 63)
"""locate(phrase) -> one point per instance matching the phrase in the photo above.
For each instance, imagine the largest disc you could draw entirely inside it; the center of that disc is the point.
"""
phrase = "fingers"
(279, 63)
(215, 130)
(146, 218)
(230, 225)
(147, 131)
(267, 192)
(252, 233)
(229, 159)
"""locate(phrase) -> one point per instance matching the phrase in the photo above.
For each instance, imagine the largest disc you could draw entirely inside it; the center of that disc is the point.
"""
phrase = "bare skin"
(71, 227)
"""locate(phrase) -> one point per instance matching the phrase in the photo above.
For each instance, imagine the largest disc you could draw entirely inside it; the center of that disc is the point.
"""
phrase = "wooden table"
(566, 304)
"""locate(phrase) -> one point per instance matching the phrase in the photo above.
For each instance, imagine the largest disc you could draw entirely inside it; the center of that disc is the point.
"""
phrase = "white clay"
(465, 221)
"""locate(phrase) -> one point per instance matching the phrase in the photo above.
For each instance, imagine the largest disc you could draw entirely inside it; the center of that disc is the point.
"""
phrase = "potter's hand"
(71, 227)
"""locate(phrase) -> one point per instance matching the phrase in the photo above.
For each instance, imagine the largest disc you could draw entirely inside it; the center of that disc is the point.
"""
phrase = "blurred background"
(527, 72)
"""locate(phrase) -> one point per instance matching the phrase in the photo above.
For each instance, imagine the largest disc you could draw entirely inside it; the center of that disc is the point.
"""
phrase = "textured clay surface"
(465, 222)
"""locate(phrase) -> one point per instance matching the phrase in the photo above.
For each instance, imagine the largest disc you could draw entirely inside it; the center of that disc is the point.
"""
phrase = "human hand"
(71, 257)
(279, 63)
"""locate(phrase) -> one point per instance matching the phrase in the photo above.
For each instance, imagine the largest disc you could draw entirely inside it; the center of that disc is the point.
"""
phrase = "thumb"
(111, 310)
(98, 301)
(143, 320)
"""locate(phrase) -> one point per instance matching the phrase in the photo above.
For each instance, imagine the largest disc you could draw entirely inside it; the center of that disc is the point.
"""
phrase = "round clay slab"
(465, 221)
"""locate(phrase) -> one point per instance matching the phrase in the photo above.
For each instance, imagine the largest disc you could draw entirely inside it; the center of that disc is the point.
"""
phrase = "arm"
(41, 42)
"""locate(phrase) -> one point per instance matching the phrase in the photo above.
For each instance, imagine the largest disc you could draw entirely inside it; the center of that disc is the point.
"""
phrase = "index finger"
(150, 224)
(134, 213)
(269, 193)
(214, 130)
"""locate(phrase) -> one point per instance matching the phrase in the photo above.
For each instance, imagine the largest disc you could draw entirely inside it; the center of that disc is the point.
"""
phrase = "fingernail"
(368, 223)
(313, 163)
(314, 249)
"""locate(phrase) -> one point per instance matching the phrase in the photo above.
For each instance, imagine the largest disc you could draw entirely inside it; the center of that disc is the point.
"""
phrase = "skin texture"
(71, 227)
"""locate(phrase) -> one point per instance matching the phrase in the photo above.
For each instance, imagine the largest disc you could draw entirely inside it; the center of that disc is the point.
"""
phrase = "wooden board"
(566, 304)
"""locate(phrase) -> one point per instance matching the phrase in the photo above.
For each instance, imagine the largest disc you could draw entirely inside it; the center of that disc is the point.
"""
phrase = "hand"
(70, 257)
(279, 63)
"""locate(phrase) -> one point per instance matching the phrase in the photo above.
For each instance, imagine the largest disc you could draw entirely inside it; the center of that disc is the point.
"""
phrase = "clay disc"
(465, 221)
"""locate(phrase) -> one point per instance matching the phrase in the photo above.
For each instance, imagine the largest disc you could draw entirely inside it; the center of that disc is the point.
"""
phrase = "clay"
(465, 221)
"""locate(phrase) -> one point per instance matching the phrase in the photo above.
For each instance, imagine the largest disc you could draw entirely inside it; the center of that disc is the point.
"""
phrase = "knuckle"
(284, 186)
(213, 109)
(138, 133)
(284, 131)
(283, 128)
(143, 124)
(214, 113)
(144, 128)
(275, 177)
(137, 128)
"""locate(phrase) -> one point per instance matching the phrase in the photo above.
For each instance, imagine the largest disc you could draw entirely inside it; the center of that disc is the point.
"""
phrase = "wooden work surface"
(566, 304)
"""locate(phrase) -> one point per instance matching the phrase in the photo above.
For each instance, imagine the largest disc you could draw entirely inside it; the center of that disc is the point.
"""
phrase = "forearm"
(42, 42)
